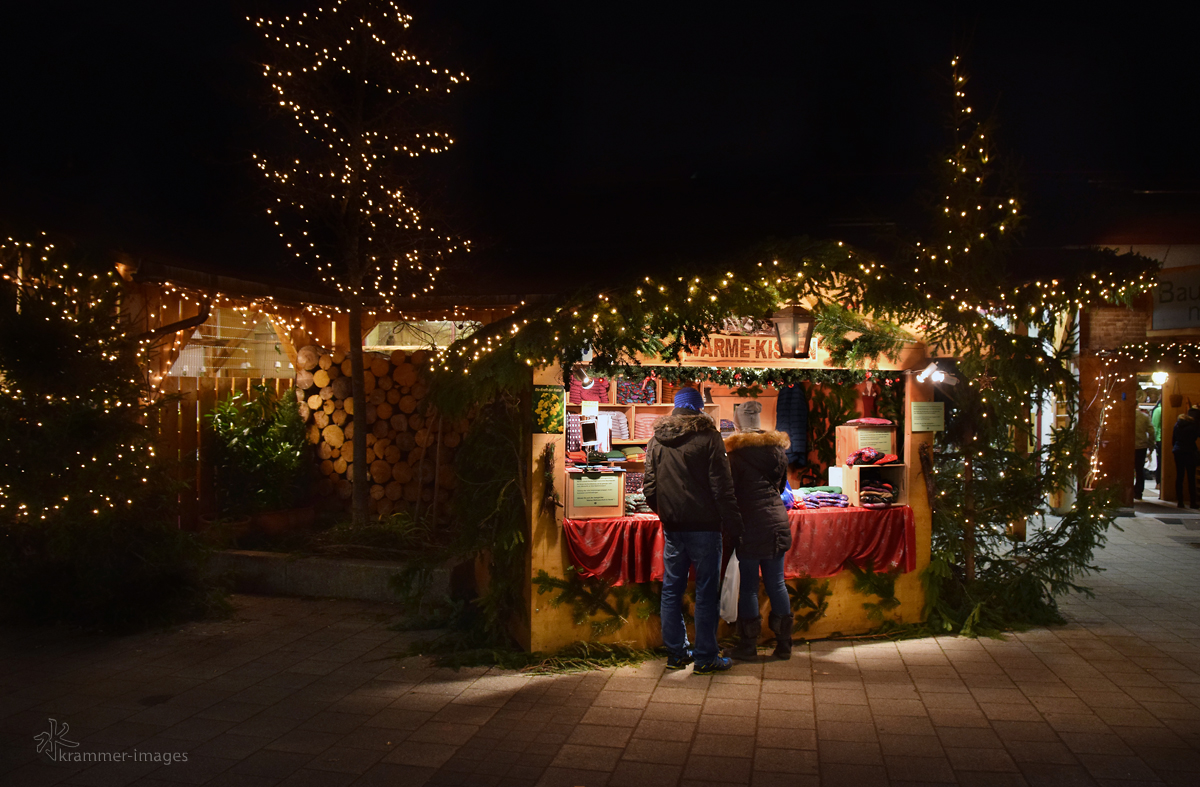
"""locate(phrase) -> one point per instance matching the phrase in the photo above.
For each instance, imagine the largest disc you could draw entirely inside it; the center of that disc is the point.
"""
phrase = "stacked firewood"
(410, 447)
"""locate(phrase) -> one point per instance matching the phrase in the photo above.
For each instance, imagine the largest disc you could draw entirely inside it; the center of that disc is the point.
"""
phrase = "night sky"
(603, 135)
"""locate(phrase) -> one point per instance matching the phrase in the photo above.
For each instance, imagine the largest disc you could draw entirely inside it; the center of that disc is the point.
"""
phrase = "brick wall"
(1109, 327)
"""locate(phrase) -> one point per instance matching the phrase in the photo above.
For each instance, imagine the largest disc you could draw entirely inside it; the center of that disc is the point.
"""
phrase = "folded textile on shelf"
(634, 483)
(635, 503)
(643, 425)
(869, 422)
(823, 500)
(620, 426)
(877, 493)
(597, 392)
(636, 393)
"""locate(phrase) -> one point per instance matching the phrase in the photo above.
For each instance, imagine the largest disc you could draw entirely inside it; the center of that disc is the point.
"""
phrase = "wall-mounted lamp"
(793, 327)
(585, 381)
(932, 372)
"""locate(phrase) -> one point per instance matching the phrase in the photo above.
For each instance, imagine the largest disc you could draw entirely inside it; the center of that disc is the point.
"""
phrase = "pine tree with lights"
(365, 107)
(1012, 350)
(86, 516)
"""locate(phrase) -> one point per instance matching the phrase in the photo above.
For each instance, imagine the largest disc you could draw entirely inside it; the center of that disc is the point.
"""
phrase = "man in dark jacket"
(688, 485)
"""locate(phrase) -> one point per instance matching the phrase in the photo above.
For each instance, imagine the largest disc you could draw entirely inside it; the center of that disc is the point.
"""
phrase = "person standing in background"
(1183, 448)
(1156, 421)
(1143, 440)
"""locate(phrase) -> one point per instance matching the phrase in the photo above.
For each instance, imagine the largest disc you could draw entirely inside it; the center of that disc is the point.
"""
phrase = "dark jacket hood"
(681, 424)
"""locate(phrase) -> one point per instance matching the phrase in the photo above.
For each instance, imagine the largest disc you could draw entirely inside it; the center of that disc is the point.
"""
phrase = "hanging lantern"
(793, 328)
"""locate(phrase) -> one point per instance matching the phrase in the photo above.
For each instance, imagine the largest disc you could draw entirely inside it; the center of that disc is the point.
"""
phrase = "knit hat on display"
(746, 416)
(690, 398)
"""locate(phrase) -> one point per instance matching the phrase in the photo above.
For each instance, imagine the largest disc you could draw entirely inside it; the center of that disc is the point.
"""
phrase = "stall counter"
(630, 548)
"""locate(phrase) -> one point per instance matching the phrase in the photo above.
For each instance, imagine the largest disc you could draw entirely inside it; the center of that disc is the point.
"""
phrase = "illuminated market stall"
(864, 523)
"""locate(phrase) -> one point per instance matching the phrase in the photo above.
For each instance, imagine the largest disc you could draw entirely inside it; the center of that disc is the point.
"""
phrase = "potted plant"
(260, 468)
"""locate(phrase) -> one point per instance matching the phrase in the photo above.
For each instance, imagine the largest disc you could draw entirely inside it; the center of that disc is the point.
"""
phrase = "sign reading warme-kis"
(746, 351)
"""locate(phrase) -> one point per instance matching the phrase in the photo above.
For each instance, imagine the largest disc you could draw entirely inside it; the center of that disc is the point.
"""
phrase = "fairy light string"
(358, 97)
(72, 395)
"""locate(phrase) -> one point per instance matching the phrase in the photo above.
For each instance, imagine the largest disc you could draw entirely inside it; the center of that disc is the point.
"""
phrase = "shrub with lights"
(85, 527)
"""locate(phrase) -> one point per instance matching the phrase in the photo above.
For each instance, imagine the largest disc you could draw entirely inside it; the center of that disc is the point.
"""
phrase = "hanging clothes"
(791, 416)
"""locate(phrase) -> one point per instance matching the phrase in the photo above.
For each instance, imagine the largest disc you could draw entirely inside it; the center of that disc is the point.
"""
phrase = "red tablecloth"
(630, 548)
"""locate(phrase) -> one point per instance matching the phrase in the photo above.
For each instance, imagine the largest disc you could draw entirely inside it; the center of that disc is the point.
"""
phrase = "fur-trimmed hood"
(678, 426)
(757, 439)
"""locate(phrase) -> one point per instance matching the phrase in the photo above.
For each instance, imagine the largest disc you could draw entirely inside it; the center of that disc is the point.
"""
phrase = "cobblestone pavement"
(302, 692)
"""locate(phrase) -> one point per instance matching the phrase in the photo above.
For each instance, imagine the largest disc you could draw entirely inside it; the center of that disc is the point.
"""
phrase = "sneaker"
(678, 662)
(720, 665)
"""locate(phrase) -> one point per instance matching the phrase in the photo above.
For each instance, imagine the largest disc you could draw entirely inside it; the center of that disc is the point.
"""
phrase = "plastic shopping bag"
(729, 590)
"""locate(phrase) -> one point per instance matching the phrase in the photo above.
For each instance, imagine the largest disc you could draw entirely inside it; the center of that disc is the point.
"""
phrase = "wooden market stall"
(609, 548)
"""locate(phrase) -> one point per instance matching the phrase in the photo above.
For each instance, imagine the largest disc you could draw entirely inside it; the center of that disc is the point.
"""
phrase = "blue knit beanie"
(690, 398)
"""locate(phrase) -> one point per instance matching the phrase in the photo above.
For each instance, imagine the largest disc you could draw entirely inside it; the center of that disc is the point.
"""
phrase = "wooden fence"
(185, 443)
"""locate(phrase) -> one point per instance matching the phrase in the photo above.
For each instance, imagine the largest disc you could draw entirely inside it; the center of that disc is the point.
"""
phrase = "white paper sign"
(928, 416)
(589, 408)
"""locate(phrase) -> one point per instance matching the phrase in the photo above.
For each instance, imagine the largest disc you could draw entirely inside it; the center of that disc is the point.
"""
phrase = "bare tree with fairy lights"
(365, 106)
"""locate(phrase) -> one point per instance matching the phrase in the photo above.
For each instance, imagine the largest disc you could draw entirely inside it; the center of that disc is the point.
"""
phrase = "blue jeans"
(772, 576)
(681, 551)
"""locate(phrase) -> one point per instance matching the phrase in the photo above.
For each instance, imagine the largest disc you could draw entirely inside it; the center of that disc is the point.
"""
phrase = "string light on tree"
(364, 103)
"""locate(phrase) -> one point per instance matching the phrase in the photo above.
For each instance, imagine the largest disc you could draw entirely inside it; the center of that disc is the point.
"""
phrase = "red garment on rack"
(630, 548)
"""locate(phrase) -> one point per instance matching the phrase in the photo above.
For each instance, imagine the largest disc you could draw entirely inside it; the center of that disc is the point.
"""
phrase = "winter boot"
(747, 647)
(782, 626)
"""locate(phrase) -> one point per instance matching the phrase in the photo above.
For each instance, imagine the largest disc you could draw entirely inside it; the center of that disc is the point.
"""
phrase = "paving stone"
(724, 745)
(838, 775)
(786, 738)
(423, 755)
(735, 770)
(643, 774)
(980, 759)
(598, 735)
(597, 758)
(849, 752)
(921, 770)
(656, 751)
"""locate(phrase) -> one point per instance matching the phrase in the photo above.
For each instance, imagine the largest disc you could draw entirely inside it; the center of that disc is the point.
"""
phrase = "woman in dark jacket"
(758, 462)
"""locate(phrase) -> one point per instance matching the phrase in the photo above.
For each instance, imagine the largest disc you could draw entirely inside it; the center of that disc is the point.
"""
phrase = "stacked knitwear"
(825, 500)
(636, 504)
(822, 497)
(876, 494)
(636, 393)
(620, 426)
(598, 392)
(643, 426)
(634, 483)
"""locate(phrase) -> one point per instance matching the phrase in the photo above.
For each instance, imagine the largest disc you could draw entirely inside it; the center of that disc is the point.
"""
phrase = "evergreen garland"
(810, 595)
